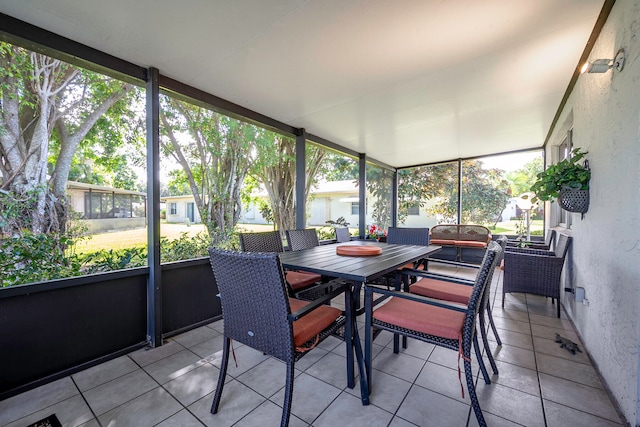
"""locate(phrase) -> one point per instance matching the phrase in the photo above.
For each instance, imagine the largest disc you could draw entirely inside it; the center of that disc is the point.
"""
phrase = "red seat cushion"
(470, 244)
(442, 290)
(301, 279)
(442, 242)
(420, 317)
(313, 323)
(411, 265)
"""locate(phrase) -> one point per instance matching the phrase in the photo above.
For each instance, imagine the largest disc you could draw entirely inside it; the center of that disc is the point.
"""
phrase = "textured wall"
(605, 111)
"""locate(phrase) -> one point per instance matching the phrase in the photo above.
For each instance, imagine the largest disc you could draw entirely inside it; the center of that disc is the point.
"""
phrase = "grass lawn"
(138, 237)
(510, 227)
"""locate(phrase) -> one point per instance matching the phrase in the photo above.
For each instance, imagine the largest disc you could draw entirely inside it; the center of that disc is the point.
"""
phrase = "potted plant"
(567, 181)
(376, 233)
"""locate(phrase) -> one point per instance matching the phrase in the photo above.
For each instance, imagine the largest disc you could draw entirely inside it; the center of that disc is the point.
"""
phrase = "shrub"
(114, 259)
(184, 247)
(30, 258)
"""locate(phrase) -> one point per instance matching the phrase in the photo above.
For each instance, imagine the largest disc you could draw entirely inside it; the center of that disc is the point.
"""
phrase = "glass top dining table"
(357, 270)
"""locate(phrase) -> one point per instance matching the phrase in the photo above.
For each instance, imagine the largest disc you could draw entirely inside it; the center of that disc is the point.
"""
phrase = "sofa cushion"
(470, 244)
(442, 242)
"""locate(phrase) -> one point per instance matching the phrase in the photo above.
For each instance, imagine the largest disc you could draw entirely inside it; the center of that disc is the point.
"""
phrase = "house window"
(173, 208)
(564, 152)
(414, 210)
(355, 208)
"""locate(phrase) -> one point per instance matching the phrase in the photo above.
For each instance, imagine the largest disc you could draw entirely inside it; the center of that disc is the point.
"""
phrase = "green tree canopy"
(274, 167)
(214, 153)
(521, 180)
(49, 109)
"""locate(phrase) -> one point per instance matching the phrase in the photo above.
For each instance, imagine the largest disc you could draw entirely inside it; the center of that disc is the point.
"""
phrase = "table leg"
(352, 340)
(348, 335)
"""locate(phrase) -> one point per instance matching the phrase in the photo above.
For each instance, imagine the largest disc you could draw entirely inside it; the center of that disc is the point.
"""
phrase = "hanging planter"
(574, 199)
(567, 181)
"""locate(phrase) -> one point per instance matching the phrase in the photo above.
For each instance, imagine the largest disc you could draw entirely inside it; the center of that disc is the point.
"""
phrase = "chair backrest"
(254, 301)
(302, 239)
(562, 246)
(549, 238)
(445, 232)
(483, 278)
(342, 234)
(466, 232)
(268, 241)
(472, 232)
(408, 236)
(502, 243)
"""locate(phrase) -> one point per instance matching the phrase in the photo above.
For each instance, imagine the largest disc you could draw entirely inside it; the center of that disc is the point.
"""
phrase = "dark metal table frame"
(357, 270)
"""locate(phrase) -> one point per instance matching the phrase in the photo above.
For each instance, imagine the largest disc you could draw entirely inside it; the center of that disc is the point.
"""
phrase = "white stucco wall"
(181, 210)
(605, 112)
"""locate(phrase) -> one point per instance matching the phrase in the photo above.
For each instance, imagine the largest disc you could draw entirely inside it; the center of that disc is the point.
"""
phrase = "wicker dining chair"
(453, 289)
(549, 239)
(300, 239)
(342, 235)
(442, 323)
(301, 283)
(535, 271)
(409, 236)
(258, 313)
(404, 236)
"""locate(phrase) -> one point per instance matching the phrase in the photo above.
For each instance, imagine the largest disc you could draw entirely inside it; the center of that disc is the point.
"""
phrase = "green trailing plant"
(567, 173)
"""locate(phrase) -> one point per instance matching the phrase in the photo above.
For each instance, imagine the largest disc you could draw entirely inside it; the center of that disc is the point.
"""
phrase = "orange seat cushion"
(442, 242)
(442, 290)
(423, 318)
(313, 323)
(350, 250)
(470, 244)
(301, 279)
(411, 265)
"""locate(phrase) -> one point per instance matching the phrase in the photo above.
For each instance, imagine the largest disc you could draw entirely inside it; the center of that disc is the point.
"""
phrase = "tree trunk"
(69, 142)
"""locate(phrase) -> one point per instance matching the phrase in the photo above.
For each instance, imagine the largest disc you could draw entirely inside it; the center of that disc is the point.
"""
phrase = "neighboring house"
(328, 201)
(180, 209)
(105, 209)
(511, 211)
(334, 199)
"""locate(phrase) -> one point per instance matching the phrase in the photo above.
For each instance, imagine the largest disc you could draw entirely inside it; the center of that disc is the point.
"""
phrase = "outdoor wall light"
(604, 65)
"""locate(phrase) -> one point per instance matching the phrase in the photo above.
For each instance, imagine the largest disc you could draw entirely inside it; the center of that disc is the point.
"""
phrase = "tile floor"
(539, 384)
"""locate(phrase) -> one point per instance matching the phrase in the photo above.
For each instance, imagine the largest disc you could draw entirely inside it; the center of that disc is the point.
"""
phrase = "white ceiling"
(405, 81)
